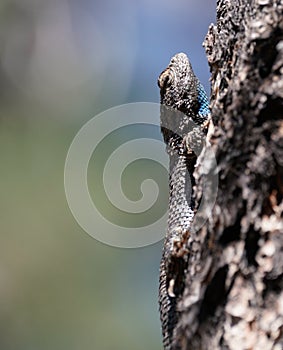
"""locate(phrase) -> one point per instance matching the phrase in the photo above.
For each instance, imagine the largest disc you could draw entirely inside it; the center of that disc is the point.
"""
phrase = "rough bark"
(233, 296)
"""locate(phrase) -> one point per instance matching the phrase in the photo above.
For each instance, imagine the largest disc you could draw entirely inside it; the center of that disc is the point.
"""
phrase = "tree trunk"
(233, 295)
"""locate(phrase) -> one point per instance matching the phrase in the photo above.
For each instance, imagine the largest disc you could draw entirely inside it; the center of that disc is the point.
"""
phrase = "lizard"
(184, 116)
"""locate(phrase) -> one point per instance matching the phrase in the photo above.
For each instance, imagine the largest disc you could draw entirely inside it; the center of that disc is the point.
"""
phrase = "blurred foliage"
(62, 62)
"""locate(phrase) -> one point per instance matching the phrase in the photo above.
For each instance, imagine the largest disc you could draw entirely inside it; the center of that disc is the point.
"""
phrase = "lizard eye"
(165, 79)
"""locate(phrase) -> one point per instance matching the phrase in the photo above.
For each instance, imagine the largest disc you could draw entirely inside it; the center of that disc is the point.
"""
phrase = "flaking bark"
(233, 295)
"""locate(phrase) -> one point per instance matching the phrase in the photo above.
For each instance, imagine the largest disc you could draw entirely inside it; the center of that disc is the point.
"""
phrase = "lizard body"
(184, 108)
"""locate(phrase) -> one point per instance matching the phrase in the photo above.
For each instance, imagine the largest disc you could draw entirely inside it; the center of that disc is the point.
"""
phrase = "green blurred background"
(61, 63)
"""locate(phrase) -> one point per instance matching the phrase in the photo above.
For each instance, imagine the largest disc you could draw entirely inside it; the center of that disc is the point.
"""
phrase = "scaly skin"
(184, 108)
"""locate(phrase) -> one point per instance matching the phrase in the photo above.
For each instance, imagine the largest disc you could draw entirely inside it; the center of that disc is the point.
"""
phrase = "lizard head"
(178, 84)
(179, 98)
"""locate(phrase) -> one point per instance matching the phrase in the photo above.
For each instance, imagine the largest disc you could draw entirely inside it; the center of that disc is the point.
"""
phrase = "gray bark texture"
(233, 288)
